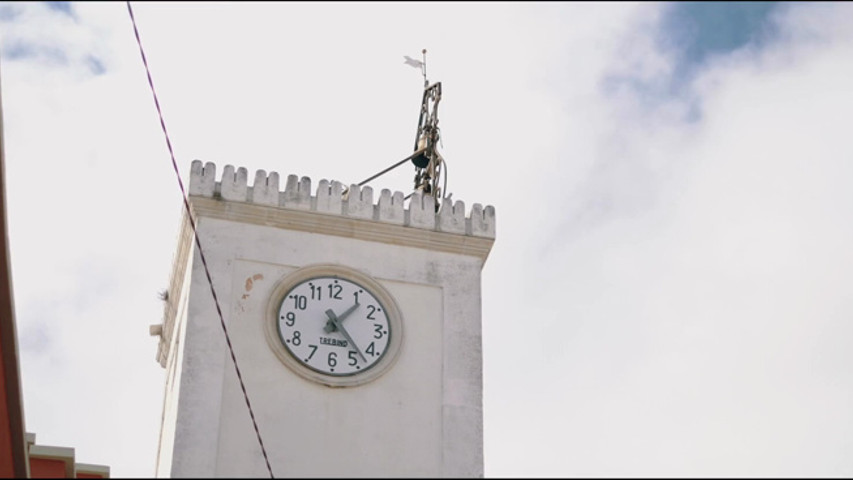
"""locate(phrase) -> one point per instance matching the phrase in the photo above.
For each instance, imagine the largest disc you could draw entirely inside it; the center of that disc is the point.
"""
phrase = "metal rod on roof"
(413, 155)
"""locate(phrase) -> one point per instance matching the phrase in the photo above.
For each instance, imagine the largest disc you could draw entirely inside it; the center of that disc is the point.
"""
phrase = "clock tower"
(355, 322)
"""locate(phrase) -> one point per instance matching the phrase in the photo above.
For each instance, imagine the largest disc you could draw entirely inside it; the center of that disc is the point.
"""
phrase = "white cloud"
(664, 297)
(697, 324)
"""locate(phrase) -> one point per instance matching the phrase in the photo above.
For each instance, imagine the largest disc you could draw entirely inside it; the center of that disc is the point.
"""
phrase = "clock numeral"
(313, 351)
(316, 292)
(335, 291)
(355, 294)
(333, 359)
(372, 311)
(291, 319)
(370, 350)
(297, 337)
(352, 359)
(299, 301)
(377, 330)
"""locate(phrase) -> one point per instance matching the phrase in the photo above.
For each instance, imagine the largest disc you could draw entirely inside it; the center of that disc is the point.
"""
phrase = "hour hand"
(330, 325)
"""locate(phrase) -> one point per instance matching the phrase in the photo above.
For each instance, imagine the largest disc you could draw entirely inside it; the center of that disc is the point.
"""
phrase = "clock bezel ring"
(303, 274)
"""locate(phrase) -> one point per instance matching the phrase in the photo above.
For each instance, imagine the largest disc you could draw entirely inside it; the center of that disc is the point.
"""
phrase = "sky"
(671, 288)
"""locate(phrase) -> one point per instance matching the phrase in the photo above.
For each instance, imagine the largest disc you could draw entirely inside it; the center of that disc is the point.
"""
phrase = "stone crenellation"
(331, 198)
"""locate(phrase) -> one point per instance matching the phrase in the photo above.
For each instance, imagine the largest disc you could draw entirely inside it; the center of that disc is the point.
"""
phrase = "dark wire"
(198, 241)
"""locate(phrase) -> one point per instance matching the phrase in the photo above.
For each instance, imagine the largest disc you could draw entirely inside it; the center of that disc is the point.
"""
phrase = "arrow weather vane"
(418, 64)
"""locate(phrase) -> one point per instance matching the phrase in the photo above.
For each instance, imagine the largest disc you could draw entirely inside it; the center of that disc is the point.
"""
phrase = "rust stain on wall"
(250, 282)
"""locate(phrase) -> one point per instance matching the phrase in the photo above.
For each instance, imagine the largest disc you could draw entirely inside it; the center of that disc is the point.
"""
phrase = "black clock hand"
(330, 326)
(337, 322)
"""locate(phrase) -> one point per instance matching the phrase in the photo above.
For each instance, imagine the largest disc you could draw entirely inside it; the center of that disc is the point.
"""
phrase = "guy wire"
(198, 241)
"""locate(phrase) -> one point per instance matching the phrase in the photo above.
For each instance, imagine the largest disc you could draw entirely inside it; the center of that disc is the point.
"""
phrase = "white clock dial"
(334, 326)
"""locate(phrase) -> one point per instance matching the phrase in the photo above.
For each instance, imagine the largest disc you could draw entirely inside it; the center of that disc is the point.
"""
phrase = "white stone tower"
(369, 403)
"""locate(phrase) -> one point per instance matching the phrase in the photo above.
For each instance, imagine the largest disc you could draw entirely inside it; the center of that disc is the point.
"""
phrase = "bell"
(420, 160)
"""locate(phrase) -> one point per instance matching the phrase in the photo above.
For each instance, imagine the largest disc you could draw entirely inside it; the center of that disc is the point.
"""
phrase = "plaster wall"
(173, 382)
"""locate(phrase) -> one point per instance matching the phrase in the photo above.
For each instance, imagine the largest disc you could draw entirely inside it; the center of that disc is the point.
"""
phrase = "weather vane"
(418, 64)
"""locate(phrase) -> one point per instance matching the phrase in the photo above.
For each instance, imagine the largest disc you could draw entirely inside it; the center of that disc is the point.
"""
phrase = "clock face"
(334, 326)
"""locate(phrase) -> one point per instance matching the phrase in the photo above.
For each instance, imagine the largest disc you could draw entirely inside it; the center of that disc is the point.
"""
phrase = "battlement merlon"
(329, 199)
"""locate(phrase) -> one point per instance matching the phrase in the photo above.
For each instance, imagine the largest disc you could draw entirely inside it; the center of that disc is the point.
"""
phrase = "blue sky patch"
(44, 51)
(693, 34)
(17, 50)
(64, 7)
(8, 12)
(95, 65)
(50, 55)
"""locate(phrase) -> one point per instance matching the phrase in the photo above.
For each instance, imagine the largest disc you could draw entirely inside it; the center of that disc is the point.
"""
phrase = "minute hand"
(331, 314)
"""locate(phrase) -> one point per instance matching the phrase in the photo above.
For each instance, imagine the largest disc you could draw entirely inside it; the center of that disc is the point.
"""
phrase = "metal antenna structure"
(428, 162)
(428, 165)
